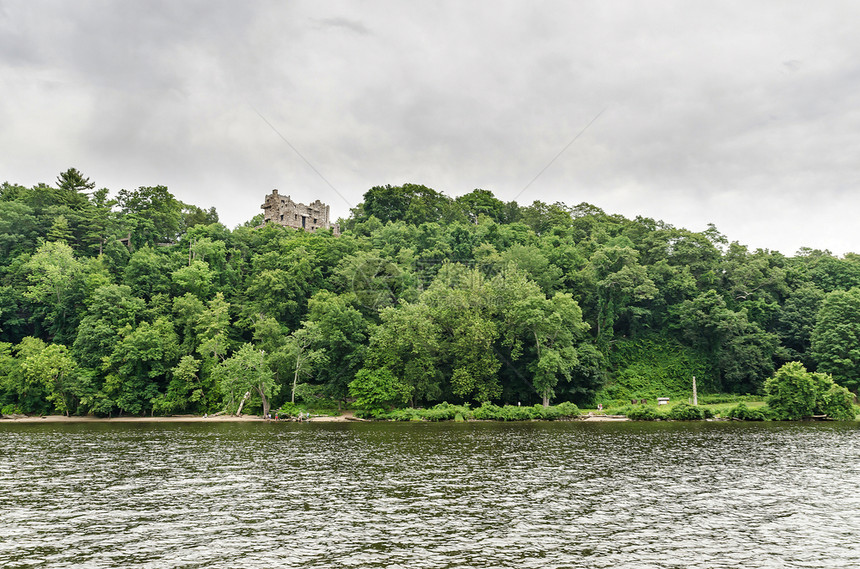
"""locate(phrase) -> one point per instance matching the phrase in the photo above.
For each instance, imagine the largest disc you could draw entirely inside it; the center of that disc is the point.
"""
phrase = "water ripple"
(422, 495)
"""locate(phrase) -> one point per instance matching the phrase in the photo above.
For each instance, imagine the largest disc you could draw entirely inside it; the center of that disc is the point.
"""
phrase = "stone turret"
(284, 211)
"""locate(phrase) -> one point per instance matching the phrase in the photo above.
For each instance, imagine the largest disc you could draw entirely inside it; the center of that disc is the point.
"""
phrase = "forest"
(139, 304)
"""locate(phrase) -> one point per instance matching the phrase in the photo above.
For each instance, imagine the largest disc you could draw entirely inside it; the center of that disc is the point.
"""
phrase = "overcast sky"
(742, 114)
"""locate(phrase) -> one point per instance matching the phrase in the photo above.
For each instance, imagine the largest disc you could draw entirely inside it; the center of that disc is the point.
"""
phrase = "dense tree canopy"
(138, 303)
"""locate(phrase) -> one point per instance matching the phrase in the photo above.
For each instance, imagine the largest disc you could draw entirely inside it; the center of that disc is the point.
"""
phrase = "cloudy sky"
(742, 114)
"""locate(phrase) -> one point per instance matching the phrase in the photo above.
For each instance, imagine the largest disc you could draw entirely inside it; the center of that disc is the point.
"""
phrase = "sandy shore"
(597, 418)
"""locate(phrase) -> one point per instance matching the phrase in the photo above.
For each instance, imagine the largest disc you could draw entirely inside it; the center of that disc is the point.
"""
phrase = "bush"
(687, 412)
(378, 388)
(288, 410)
(794, 393)
(791, 392)
(642, 413)
(488, 412)
(402, 415)
(517, 413)
(837, 403)
(446, 412)
(743, 413)
(11, 409)
(564, 410)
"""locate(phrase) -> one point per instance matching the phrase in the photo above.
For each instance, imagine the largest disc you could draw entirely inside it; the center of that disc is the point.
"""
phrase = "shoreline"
(170, 419)
(343, 418)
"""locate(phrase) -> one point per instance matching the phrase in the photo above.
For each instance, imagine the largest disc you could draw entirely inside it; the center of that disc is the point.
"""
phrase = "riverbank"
(347, 416)
(344, 417)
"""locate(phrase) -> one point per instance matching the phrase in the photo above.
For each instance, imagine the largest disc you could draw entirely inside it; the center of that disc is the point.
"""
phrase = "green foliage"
(55, 278)
(376, 389)
(687, 412)
(564, 410)
(318, 407)
(245, 372)
(407, 414)
(153, 214)
(717, 398)
(184, 390)
(837, 403)
(446, 412)
(340, 339)
(490, 412)
(656, 366)
(835, 340)
(51, 368)
(791, 392)
(140, 365)
(412, 203)
(794, 393)
(486, 412)
(743, 413)
(742, 351)
(643, 413)
(465, 300)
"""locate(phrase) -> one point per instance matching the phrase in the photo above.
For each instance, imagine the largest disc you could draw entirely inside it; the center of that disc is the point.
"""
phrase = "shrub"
(791, 392)
(642, 413)
(446, 412)
(288, 410)
(565, 410)
(837, 403)
(686, 412)
(402, 415)
(517, 413)
(487, 412)
(794, 393)
(377, 388)
(11, 409)
(743, 413)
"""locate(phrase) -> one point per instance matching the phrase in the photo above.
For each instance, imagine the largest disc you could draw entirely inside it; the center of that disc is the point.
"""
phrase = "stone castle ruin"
(284, 211)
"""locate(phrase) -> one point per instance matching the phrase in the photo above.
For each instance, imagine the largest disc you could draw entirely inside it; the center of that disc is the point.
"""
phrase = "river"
(453, 495)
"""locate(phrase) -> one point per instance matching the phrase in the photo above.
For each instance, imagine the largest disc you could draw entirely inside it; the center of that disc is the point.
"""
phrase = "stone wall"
(284, 211)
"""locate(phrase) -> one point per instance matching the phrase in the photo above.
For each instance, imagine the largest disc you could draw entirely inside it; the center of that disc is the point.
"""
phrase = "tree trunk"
(296, 378)
(242, 403)
(265, 401)
(545, 400)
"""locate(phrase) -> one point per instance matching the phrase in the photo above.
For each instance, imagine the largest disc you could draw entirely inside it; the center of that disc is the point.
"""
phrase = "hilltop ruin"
(284, 211)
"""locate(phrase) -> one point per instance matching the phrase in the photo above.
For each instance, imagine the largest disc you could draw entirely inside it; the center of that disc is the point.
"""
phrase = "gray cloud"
(343, 23)
(737, 114)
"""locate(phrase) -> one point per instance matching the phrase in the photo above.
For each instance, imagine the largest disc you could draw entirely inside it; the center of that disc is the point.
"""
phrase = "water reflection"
(425, 495)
